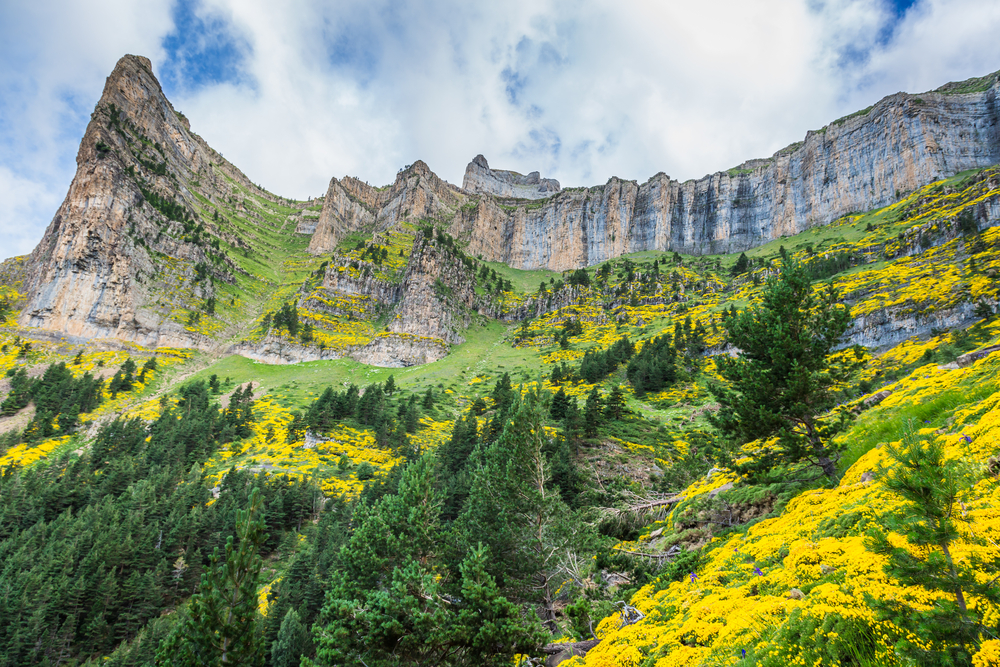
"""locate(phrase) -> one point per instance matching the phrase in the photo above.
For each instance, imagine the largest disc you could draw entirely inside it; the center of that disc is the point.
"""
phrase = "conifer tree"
(781, 384)
(393, 602)
(616, 403)
(412, 415)
(515, 512)
(742, 264)
(479, 406)
(287, 649)
(572, 424)
(220, 628)
(593, 413)
(559, 404)
(931, 486)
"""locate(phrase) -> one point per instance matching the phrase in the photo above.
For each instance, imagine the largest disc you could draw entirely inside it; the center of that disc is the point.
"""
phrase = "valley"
(446, 394)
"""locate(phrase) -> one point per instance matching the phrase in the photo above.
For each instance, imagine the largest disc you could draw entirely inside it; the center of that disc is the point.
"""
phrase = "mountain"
(157, 225)
(863, 161)
(476, 461)
(129, 245)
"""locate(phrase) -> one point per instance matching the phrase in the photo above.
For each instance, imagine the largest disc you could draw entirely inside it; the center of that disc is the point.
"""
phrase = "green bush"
(811, 640)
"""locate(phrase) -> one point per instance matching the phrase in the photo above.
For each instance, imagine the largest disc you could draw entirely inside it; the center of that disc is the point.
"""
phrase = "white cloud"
(579, 91)
(54, 58)
(26, 201)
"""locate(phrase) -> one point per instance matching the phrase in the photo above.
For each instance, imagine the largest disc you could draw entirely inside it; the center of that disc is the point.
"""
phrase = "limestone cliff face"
(864, 161)
(436, 287)
(99, 269)
(351, 204)
(480, 179)
(341, 214)
(858, 163)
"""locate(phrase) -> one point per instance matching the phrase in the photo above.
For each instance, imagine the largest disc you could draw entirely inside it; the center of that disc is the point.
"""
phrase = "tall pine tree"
(221, 626)
(781, 384)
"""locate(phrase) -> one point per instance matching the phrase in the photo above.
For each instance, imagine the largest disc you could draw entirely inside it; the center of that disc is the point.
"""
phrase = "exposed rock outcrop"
(858, 163)
(351, 204)
(438, 292)
(480, 179)
(861, 162)
(864, 161)
(99, 270)
(389, 350)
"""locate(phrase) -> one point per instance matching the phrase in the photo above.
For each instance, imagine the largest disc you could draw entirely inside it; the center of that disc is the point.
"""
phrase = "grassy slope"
(660, 422)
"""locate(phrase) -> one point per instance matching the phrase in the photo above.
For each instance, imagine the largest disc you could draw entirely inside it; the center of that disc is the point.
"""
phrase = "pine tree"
(742, 264)
(616, 403)
(559, 404)
(221, 626)
(514, 511)
(593, 413)
(572, 424)
(296, 429)
(479, 406)
(287, 649)
(781, 384)
(412, 415)
(931, 486)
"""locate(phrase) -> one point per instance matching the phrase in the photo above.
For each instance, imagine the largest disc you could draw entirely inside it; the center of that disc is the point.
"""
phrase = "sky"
(294, 93)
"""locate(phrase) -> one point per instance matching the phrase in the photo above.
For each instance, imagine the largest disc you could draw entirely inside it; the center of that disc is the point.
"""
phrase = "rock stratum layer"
(156, 225)
(863, 161)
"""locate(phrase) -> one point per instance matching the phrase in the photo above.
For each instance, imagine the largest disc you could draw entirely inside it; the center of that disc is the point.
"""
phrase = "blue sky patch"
(202, 50)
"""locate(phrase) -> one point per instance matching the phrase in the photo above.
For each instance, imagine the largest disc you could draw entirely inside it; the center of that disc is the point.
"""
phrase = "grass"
(974, 85)
(877, 427)
(484, 352)
(523, 280)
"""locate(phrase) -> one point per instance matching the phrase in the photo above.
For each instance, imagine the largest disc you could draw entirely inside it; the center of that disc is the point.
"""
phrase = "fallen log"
(578, 648)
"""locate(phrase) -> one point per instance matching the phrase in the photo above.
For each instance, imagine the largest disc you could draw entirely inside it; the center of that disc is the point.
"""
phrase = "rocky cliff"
(480, 179)
(127, 249)
(860, 162)
(863, 161)
(351, 204)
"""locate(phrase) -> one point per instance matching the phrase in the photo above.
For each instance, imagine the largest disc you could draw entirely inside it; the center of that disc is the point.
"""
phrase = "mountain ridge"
(157, 228)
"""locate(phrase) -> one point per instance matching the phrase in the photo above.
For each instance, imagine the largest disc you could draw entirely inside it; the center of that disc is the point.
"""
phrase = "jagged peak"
(481, 179)
(129, 66)
(418, 168)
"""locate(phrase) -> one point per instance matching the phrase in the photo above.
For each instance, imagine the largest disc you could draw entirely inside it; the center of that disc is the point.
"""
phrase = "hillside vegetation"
(563, 475)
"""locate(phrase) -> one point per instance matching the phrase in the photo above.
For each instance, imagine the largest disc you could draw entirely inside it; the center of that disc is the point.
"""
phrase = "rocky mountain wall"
(480, 179)
(127, 248)
(352, 205)
(91, 272)
(863, 161)
(438, 293)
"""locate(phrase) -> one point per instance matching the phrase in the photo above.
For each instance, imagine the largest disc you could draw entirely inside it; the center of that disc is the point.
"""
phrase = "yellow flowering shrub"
(810, 561)
(29, 453)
